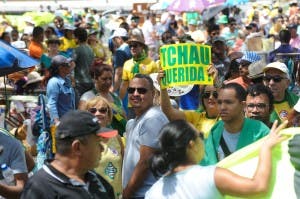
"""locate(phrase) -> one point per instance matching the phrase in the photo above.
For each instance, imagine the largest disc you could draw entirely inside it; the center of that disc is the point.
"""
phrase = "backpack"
(41, 128)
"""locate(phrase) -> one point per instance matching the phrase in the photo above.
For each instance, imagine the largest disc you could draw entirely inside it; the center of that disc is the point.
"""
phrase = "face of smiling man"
(140, 95)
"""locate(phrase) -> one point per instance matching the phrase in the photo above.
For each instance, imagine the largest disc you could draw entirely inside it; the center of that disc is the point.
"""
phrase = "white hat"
(279, 66)
(297, 106)
(119, 32)
(173, 91)
(33, 77)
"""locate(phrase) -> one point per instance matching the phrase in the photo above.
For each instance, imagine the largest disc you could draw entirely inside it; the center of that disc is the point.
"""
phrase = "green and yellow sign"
(185, 64)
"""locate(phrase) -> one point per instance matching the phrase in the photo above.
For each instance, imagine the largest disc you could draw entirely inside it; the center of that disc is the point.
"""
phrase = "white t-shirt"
(196, 182)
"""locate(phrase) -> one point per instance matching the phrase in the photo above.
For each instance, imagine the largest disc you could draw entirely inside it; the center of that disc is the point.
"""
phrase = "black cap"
(79, 123)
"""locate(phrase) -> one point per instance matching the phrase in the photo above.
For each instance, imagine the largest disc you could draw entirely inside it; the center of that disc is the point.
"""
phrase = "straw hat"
(256, 69)
(33, 77)
(137, 38)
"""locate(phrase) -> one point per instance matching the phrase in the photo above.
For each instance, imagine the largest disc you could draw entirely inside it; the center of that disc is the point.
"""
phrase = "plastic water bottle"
(8, 174)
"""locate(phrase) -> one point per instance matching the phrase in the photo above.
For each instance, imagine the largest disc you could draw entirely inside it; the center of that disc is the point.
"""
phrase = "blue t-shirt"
(13, 153)
(121, 55)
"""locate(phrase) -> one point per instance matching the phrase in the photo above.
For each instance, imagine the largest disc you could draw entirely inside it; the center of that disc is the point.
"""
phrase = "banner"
(185, 64)
(244, 162)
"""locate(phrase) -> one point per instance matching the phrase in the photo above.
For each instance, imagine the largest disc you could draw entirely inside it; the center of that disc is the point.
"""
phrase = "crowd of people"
(115, 135)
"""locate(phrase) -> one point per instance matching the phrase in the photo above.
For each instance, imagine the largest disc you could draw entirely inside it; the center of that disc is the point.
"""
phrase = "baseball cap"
(79, 123)
(69, 27)
(119, 32)
(192, 22)
(279, 66)
(292, 26)
(215, 39)
(250, 56)
(59, 60)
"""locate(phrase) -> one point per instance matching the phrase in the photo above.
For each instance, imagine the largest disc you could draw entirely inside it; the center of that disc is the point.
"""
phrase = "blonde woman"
(112, 156)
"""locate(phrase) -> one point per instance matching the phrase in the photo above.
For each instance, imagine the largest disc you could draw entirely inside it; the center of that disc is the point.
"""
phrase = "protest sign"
(244, 162)
(185, 64)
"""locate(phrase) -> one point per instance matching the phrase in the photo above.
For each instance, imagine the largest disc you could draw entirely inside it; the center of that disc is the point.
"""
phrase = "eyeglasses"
(275, 78)
(207, 94)
(131, 90)
(259, 106)
(134, 45)
(233, 24)
(102, 110)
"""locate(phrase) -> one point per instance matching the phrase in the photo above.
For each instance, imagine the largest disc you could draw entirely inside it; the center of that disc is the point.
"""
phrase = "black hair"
(231, 20)
(258, 89)
(81, 34)
(63, 146)
(37, 31)
(146, 77)
(166, 38)
(99, 69)
(125, 25)
(212, 27)
(174, 139)
(285, 36)
(240, 92)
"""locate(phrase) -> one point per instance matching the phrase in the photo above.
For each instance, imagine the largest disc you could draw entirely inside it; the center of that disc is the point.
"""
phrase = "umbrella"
(161, 5)
(236, 2)
(13, 60)
(213, 11)
(192, 5)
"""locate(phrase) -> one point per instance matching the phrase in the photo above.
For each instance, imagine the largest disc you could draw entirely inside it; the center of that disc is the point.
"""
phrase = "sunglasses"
(131, 90)
(233, 24)
(102, 110)
(259, 106)
(207, 94)
(275, 78)
(134, 45)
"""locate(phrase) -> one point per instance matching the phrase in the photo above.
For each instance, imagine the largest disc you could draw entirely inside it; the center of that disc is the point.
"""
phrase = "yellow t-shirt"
(147, 66)
(282, 109)
(110, 165)
(200, 121)
(67, 44)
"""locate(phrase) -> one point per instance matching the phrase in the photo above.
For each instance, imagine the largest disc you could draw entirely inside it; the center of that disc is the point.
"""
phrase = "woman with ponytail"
(182, 148)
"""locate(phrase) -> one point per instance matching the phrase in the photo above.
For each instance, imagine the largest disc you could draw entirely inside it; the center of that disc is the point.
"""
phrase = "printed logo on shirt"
(110, 170)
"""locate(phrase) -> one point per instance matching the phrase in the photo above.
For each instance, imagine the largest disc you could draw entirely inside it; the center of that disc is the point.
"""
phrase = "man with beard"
(259, 103)
(234, 131)
(142, 134)
(277, 78)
